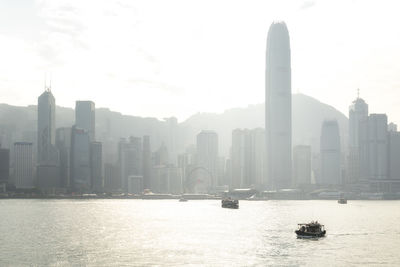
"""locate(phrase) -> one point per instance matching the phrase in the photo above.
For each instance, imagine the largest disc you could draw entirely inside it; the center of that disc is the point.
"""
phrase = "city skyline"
(65, 40)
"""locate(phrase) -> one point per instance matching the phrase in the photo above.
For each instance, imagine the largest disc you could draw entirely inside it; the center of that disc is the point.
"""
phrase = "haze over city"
(206, 133)
(177, 58)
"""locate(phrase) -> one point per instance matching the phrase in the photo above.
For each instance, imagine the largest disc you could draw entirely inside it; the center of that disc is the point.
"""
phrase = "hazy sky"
(175, 58)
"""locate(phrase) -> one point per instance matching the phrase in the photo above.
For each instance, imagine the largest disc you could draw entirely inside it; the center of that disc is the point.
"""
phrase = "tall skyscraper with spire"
(358, 141)
(48, 157)
(46, 126)
(278, 108)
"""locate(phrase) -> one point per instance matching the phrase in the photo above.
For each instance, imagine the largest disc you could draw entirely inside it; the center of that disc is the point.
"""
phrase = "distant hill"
(19, 124)
(307, 117)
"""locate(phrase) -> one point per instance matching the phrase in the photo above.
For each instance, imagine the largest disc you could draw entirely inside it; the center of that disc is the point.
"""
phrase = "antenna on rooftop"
(358, 93)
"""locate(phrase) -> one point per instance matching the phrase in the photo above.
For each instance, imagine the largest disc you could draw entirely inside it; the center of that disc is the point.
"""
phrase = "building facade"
(278, 108)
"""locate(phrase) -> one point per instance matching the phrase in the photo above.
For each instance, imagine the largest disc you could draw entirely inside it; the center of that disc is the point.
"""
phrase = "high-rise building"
(394, 155)
(80, 160)
(130, 160)
(278, 108)
(46, 127)
(96, 166)
(167, 179)
(4, 165)
(23, 170)
(146, 162)
(48, 157)
(358, 143)
(172, 139)
(85, 117)
(248, 158)
(63, 144)
(330, 154)
(377, 147)
(301, 165)
(207, 158)
(112, 181)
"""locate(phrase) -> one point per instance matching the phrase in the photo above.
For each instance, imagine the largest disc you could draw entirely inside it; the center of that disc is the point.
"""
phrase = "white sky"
(158, 58)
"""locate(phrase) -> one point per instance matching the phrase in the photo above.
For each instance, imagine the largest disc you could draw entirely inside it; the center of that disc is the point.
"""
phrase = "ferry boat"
(342, 201)
(230, 203)
(310, 230)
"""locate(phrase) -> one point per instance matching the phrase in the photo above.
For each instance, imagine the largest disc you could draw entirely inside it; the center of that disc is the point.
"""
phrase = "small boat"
(230, 203)
(183, 200)
(342, 200)
(310, 230)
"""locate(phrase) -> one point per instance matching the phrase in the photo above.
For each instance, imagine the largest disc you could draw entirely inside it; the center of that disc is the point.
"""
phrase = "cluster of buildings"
(72, 160)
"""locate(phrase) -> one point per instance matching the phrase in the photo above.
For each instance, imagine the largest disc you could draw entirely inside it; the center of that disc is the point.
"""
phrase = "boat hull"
(301, 234)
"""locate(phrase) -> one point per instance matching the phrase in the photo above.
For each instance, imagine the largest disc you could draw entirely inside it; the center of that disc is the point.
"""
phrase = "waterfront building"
(85, 118)
(47, 171)
(358, 141)
(330, 154)
(207, 158)
(63, 144)
(248, 158)
(278, 108)
(147, 163)
(4, 166)
(377, 147)
(130, 159)
(301, 166)
(23, 170)
(80, 160)
(96, 167)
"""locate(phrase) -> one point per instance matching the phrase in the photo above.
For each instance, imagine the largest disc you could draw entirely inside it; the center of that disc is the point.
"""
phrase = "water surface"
(197, 232)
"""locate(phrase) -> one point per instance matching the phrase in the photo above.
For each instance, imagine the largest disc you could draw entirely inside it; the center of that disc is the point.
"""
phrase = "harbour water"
(198, 232)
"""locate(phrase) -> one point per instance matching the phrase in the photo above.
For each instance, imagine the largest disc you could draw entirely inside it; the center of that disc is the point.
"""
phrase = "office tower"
(278, 107)
(146, 162)
(46, 127)
(377, 147)
(187, 163)
(112, 181)
(48, 157)
(248, 158)
(207, 158)
(63, 144)
(4, 165)
(23, 152)
(358, 143)
(96, 166)
(330, 154)
(167, 179)
(394, 155)
(301, 165)
(85, 117)
(172, 139)
(80, 160)
(130, 160)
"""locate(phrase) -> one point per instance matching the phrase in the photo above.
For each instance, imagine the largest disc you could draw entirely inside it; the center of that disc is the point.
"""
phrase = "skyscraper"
(46, 127)
(207, 158)
(48, 157)
(330, 154)
(146, 162)
(23, 152)
(358, 116)
(278, 107)
(247, 158)
(301, 165)
(377, 147)
(85, 117)
(80, 160)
